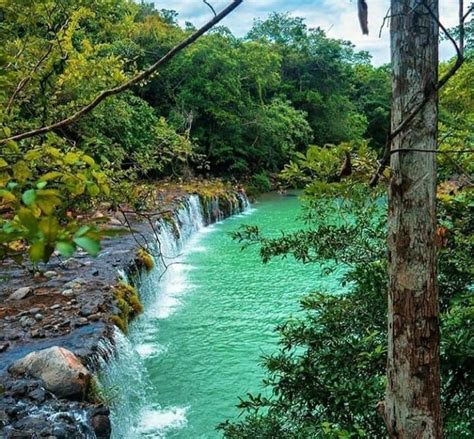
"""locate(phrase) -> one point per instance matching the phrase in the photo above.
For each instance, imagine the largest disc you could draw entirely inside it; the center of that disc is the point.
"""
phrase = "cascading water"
(124, 377)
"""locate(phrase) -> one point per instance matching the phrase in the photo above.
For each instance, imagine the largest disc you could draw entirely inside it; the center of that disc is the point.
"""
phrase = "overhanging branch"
(130, 83)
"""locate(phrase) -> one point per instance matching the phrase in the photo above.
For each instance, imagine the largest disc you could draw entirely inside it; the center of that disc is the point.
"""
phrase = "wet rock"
(37, 333)
(55, 307)
(13, 336)
(4, 346)
(87, 310)
(34, 311)
(82, 321)
(19, 434)
(20, 293)
(26, 322)
(68, 292)
(60, 370)
(18, 388)
(34, 424)
(94, 317)
(38, 394)
(100, 422)
(50, 274)
(39, 317)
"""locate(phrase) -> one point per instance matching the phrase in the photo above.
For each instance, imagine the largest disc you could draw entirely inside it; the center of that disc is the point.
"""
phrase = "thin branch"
(468, 12)
(130, 83)
(210, 7)
(387, 17)
(22, 84)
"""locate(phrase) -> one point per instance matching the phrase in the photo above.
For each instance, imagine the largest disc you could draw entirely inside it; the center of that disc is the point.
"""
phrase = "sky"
(337, 17)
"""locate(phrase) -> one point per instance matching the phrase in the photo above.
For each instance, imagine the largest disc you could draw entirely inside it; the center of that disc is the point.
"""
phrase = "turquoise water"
(202, 338)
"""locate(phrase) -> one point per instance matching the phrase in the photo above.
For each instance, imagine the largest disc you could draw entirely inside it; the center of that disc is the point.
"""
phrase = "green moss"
(97, 394)
(94, 392)
(144, 259)
(120, 323)
(136, 305)
(128, 301)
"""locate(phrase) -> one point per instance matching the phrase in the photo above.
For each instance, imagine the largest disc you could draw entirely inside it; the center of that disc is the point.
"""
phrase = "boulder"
(60, 370)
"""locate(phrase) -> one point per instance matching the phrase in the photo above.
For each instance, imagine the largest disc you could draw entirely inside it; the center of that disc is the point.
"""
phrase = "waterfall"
(124, 375)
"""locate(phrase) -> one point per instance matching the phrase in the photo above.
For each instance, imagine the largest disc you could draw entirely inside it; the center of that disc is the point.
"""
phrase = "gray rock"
(34, 311)
(38, 394)
(37, 333)
(68, 292)
(20, 293)
(75, 283)
(60, 370)
(4, 346)
(50, 274)
(55, 307)
(26, 322)
(82, 321)
(87, 310)
(39, 317)
(95, 317)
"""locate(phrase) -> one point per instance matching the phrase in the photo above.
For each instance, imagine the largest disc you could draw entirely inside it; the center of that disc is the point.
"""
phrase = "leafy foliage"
(328, 374)
(39, 191)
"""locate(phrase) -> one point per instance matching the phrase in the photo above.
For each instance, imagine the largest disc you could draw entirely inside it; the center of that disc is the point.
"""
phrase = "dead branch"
(145, 74)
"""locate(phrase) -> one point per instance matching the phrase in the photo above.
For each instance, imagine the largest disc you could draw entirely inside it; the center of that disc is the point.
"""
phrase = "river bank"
(74, 305)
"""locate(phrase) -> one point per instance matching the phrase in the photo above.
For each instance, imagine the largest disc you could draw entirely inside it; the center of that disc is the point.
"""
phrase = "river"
(207, 323)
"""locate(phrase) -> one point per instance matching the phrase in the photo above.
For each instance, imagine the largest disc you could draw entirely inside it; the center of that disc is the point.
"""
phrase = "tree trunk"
(412, 402)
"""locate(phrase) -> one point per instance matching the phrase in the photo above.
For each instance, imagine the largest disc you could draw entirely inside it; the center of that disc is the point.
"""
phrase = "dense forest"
(285, 106)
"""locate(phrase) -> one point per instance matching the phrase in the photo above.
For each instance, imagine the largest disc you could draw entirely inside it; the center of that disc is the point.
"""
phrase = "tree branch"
(403, 125)
(130, 83)
(210, 7)
(22, 84)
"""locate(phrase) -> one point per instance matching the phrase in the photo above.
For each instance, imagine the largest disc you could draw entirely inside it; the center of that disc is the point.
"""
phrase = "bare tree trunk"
(412, 402)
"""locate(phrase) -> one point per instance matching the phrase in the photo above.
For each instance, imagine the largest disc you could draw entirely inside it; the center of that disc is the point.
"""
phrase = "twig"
(210, 6)
(130, 83)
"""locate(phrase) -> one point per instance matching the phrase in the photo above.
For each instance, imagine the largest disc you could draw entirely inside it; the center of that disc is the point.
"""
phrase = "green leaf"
(50, 228)
(3, 163)
(33, 154)
(93, 190)
(51, 176)
(37, 251)
(41, 184)
(28, 219)
(66, 249)
(7, 195)
(71, 158)
(29, 197)
(82, 231)
(90, 245)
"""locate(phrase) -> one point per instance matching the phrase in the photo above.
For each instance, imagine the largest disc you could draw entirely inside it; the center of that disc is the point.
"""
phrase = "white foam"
(147, 350)
(160, 421)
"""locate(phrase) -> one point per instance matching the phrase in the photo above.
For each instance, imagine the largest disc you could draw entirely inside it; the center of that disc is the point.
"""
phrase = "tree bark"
(412, 403)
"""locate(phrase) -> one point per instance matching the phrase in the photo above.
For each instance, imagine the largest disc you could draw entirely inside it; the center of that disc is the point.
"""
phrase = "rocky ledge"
(54, 326)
